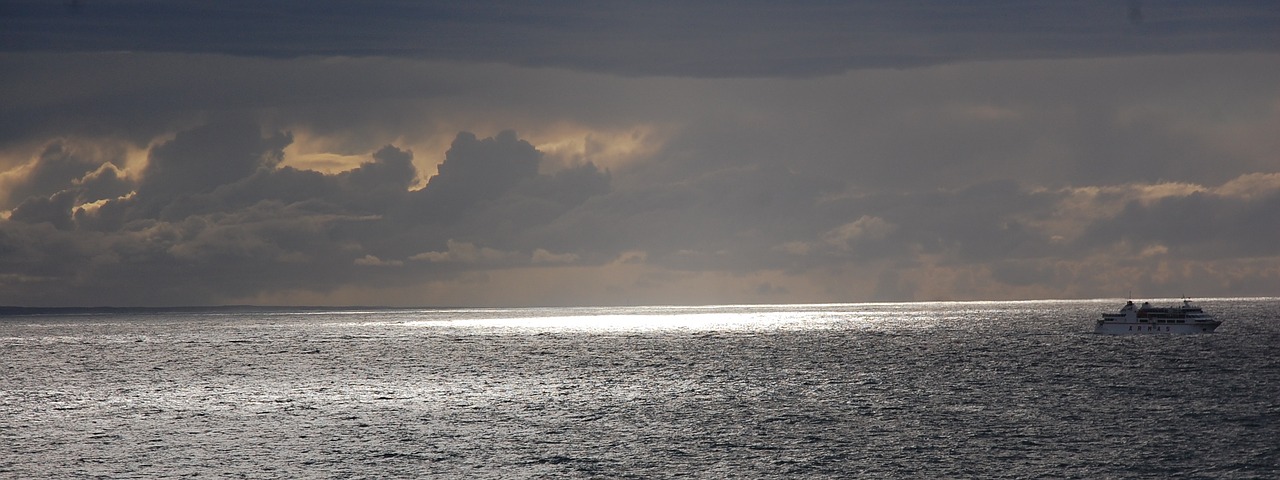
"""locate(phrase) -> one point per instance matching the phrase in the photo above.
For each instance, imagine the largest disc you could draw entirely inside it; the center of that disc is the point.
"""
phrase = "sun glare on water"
(649, 320)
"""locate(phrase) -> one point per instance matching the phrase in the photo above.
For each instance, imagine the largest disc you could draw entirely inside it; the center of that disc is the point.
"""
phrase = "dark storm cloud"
(140, 96)
(489, 191)
(1075, 122)
(750, 219)
(651, 38)
(54, 210)
(201, 160)
(60, 179)
(187, 152)
(214, 217)
(259, 228)
(479, 170)
(744, 225)
(1201, 225)
(92, 174)
(998, 229)
(722, 220)
(56, 169)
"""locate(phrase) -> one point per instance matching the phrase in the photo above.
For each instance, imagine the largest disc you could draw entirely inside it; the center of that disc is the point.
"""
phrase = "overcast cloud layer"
(171, 153)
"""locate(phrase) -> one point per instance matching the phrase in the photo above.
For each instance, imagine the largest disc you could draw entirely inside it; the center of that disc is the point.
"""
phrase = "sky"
(161, 153)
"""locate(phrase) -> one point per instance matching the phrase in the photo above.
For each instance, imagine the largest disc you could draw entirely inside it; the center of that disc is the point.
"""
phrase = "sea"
(880, 390)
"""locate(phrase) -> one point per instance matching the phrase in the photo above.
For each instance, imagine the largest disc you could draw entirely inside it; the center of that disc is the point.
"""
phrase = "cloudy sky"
(469, 153)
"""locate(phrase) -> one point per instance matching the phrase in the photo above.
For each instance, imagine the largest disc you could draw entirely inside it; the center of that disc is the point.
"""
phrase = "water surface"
(992, 390)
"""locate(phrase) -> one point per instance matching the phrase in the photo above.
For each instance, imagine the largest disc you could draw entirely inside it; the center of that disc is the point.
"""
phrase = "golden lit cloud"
(567, 144)
(462, 252)
(1252, 185)
(864, 228)
(1081, 206)
(373, 261)
(327, 154)
(542, 255)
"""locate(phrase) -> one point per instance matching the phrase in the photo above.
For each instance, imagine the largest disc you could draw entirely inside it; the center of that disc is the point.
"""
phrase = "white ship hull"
(1133, 320)
(1113, 328)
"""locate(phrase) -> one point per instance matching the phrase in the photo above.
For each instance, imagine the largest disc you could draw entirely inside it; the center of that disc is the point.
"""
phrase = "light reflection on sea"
(977, 389)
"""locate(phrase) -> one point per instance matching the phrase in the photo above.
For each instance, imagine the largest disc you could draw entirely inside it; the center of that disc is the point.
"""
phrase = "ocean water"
(917, 390)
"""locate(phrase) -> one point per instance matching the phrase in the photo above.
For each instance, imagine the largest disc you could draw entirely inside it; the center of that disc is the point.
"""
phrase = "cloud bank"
(465, 154)
(256, 230)
(715, 38)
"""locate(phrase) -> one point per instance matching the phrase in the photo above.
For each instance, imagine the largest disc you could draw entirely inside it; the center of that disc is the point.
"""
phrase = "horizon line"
(21, 310)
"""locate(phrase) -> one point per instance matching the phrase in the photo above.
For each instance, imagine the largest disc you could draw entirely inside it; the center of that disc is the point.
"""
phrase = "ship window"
(1143, 320)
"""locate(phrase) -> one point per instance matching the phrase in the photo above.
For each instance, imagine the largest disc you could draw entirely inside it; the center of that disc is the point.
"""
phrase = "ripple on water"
(895, 390)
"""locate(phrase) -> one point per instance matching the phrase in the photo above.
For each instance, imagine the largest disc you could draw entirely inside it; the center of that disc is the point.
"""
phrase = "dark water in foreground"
(990, 390)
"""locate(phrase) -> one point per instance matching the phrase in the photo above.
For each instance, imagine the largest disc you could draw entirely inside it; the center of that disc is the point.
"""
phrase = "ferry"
(1187, 318)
